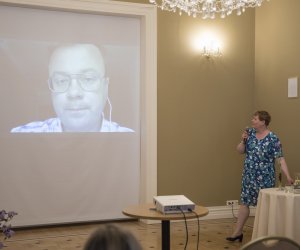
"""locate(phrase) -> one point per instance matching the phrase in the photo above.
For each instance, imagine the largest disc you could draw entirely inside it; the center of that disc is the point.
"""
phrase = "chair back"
(271, 243)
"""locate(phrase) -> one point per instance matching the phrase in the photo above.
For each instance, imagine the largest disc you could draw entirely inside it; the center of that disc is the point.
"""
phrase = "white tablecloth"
(277, 213)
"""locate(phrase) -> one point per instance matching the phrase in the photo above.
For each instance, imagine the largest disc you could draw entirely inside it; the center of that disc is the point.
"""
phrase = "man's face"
(79, 106)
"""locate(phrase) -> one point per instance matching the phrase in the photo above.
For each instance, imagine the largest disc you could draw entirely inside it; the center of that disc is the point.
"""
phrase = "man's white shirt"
(54, 125)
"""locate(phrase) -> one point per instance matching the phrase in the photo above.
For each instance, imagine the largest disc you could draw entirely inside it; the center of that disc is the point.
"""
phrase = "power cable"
(198, 236)
(186, 228)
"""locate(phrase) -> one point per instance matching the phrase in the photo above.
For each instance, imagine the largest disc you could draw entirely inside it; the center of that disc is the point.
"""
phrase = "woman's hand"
(245, 134)
(285, 170)
(242, 145)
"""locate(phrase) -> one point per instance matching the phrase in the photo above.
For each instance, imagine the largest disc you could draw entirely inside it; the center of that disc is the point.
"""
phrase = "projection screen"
(75, 176)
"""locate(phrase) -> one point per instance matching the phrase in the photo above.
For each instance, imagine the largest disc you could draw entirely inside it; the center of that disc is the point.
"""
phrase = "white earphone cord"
(110, 110)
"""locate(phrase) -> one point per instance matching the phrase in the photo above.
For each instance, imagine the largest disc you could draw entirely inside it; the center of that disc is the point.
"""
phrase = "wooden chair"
(271, 243)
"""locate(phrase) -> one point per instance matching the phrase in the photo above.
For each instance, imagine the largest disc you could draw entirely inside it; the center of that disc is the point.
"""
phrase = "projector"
(171, 204)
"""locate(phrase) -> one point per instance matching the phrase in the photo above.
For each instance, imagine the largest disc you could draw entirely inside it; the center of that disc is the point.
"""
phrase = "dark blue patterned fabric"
(259, 166)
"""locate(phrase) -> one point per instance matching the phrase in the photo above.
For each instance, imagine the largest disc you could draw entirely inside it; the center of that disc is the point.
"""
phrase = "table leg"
(165, 235)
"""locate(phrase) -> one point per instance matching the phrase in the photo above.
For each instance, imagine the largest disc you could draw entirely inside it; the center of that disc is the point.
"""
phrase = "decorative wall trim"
(223, 212)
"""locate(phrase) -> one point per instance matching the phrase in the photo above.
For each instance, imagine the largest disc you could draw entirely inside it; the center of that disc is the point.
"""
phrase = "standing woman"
(262, 147)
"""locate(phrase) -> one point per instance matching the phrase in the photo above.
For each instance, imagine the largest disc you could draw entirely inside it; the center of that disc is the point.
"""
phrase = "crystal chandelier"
(207, 8)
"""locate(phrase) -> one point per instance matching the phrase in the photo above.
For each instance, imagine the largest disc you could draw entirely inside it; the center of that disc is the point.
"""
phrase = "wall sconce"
(207, 45)
(211, 49)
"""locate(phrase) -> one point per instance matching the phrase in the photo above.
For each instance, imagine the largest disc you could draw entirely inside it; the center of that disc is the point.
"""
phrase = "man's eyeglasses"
(60, 82)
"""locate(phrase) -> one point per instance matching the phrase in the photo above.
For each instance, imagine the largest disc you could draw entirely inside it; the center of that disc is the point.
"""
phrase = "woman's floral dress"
(259, 165)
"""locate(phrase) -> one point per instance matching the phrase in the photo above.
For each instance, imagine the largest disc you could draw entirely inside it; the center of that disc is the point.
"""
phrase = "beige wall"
(277, 57)
(203, 105)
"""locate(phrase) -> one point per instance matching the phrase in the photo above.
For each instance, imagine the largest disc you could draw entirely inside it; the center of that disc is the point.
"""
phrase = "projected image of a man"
(79, 90)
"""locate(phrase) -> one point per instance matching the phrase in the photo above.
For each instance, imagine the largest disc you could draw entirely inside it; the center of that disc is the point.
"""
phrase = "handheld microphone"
(247, 130)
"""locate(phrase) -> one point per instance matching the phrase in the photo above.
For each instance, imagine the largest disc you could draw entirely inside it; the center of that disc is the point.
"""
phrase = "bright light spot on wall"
(207, 44)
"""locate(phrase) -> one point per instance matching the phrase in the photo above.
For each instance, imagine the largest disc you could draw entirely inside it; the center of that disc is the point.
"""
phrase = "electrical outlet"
(232, 203)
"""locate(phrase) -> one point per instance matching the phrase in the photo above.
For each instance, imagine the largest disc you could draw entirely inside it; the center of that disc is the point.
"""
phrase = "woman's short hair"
(263, 116)
(111, 237)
